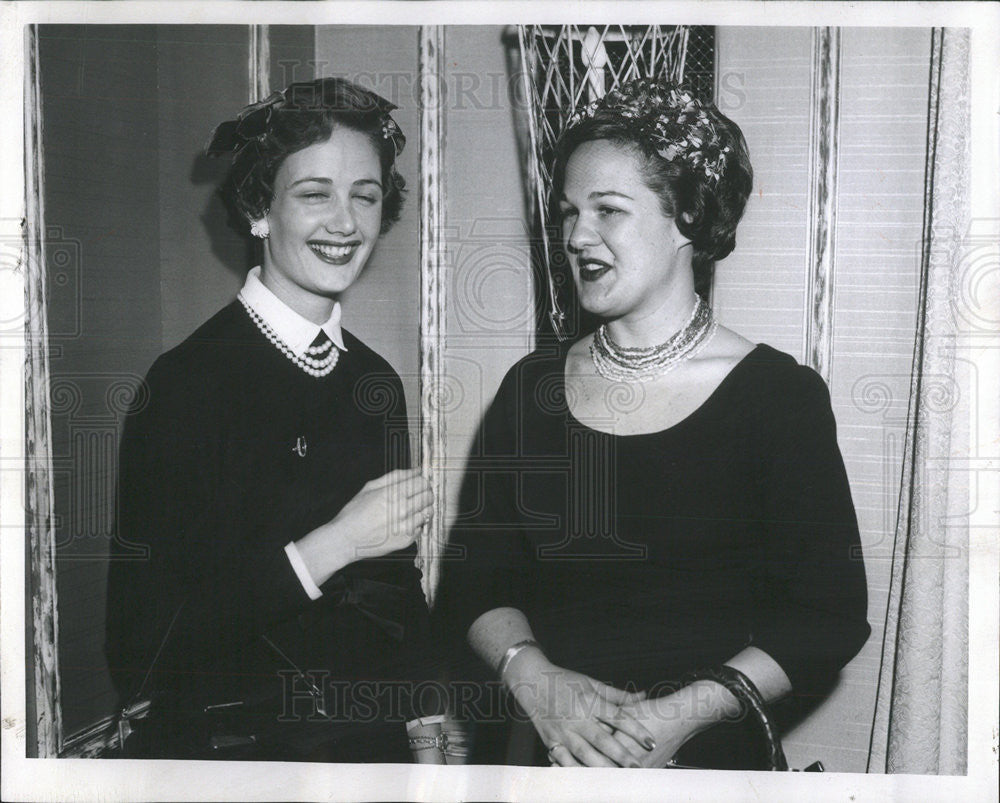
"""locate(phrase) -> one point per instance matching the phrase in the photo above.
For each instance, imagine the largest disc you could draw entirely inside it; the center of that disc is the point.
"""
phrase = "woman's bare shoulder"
(724, 351)
(728, 344)
(578, 354)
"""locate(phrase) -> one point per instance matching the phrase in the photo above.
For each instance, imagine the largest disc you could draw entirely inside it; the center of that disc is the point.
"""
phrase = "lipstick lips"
(335, 253)
(592, 269)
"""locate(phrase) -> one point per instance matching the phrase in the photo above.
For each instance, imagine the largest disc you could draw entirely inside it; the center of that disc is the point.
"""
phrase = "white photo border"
(63, 779)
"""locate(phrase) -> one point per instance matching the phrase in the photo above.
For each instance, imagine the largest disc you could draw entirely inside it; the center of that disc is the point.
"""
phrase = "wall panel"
(382, 307)
(761, 290)
(100, 194)
(490, 320)
(203, 80)
(880, 207)
(764, 81)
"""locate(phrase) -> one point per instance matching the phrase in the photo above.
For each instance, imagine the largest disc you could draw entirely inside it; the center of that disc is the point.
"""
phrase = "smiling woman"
(658, 525)
(266, 483)
(614, 227)
(323, 222)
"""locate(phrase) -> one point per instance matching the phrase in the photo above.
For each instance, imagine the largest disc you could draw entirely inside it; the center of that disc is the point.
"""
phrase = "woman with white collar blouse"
(262, 589)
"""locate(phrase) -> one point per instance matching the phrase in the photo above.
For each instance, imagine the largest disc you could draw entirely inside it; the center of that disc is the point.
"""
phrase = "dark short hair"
(304, 114)
(714, 206)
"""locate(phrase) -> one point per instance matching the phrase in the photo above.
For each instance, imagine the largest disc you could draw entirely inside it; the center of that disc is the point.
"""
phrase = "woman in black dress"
(262, 587)
(662, 496)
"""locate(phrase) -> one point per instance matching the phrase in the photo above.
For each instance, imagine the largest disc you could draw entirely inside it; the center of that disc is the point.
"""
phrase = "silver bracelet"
(511, 652)
(455, 745)
(428, 742)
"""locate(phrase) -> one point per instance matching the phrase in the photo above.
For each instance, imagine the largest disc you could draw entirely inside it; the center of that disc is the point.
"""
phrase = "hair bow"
(250, 124)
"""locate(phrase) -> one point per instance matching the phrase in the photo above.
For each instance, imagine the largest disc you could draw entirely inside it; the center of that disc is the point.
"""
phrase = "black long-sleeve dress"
(639, 558)
(212, 487)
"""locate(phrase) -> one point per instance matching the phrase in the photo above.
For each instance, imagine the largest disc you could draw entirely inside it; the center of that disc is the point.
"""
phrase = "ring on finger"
(554, 747)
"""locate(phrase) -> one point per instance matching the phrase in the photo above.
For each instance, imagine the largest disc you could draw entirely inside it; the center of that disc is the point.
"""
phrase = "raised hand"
(384, 516)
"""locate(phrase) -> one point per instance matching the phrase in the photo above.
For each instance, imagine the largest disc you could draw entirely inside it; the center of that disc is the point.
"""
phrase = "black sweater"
(210, 492)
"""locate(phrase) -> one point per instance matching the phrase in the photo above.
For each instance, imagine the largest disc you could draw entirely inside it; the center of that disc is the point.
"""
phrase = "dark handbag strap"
(137, 696)
(136, 707)
(137, 699)
(159, 649)
(751, 702)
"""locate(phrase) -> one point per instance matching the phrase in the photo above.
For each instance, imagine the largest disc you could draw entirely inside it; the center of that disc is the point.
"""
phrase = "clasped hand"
(665, 720)
(576, 716)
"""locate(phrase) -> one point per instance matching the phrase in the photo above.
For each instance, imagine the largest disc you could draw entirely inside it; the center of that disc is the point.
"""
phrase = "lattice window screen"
(566, 66)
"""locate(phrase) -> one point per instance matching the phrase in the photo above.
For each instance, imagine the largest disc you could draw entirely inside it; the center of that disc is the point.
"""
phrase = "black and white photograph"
(477, 401)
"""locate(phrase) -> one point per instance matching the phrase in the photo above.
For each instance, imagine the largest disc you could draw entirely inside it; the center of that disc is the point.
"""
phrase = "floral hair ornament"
(671, 118)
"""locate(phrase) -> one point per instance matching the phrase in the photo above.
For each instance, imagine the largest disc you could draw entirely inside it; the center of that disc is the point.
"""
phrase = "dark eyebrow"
(320, 180)
(311, 178)
(594, 195)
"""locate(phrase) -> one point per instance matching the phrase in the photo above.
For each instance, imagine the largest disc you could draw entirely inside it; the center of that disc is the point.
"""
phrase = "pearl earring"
(260, 228)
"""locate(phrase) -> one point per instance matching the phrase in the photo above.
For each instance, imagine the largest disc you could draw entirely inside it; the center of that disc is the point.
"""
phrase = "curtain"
(920, 721)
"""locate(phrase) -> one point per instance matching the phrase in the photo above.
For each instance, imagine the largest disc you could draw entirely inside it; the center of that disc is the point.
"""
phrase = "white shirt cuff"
(437, 719)
(301, 571)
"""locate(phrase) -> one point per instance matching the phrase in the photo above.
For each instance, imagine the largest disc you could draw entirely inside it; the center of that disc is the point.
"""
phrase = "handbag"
(754, 710)
(214, 731)
(163, 725)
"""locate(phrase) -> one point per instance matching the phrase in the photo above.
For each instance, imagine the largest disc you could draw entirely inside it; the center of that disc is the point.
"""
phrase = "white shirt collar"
(296, 332)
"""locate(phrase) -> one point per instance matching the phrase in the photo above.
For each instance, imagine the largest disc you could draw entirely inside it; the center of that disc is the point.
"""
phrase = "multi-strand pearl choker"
(621, 364)
(318, 361)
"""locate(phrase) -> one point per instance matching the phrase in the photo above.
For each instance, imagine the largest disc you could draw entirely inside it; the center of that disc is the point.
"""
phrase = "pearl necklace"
(312, 363)
(622, 364)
